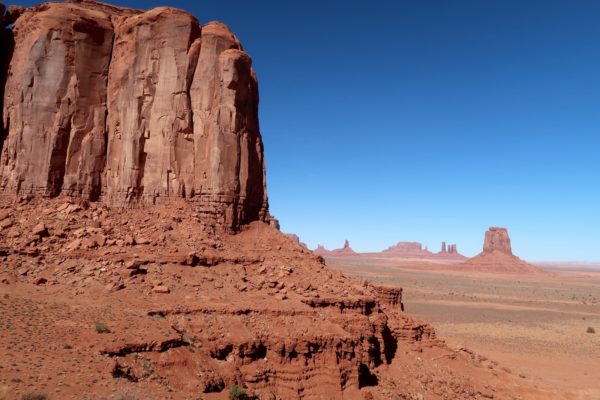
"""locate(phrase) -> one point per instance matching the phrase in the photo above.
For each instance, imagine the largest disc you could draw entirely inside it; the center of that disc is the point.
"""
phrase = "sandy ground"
(534, 325)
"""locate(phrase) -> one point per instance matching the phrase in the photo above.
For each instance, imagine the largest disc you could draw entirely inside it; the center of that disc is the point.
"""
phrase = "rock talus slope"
(146, 304)
(125, 106)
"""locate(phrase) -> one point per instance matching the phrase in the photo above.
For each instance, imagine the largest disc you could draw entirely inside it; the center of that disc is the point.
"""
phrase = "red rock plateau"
(138, 258)
(497, 256)
(415, 250)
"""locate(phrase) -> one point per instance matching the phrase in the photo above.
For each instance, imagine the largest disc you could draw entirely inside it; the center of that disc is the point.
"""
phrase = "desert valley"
(535, 321)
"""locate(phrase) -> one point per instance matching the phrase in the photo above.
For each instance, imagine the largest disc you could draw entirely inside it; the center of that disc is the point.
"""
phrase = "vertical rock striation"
(55, 101)
(4, 49)
(150, 146)
(130, 107)
(497, 239)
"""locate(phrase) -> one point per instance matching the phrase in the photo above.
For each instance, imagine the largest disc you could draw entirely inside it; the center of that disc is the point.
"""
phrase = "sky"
(422, 120)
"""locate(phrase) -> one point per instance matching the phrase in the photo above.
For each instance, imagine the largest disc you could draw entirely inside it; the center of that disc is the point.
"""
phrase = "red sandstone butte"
(497, 255)
(345, 251)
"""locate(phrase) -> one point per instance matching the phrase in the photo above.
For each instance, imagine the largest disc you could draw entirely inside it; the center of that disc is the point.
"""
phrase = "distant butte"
(404, 250)
(343, 252)
(497, 255)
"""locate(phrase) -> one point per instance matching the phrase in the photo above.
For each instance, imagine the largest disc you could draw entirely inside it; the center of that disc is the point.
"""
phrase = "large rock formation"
(341, 252)
(449, 251)
(128, 107)
(497, 255)
(405, 247)
(496, 239)
(412, 251)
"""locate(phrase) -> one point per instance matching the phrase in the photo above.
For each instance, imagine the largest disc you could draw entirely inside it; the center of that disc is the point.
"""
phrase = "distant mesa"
(404, 250)
(343, 252)
(415, 250)
(497, 255)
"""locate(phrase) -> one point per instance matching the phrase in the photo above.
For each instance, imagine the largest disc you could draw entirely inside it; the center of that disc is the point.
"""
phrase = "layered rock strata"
(130, 107)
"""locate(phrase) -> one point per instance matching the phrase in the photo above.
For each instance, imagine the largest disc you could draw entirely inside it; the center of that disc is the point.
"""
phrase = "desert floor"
(535, 325)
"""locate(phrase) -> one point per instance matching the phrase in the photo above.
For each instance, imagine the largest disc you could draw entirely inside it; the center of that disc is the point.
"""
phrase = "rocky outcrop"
(497, 256)
(131, 107)
(202, 311)
(405, 247)
(449, 250)
(296, 239)
(342, 252)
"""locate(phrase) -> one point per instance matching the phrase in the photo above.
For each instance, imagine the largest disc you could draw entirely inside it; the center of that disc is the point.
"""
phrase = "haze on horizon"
(427, 121)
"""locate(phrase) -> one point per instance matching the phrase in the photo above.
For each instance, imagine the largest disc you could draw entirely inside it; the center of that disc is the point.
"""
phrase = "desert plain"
(535, 325)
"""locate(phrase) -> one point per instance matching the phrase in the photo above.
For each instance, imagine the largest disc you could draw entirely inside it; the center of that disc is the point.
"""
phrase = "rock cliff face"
(496, 239)
(130, 107)
(5, 47)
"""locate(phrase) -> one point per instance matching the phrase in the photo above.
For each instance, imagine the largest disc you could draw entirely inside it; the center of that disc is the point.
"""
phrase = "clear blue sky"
(428, 120)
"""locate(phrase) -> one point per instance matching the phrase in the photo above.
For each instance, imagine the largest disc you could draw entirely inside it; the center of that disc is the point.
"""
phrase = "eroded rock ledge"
(129, 107)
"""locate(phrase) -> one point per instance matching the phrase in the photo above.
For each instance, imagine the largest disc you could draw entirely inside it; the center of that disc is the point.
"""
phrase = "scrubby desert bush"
(4, 392)
(101, 327)
(34, 396)
(590, 330)
(237, 392)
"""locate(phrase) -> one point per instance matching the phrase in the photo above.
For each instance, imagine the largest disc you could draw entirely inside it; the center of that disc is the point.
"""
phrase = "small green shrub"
(590, 330)
(67, 346)
(34, 396)
(237, 392)
(101, 327)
